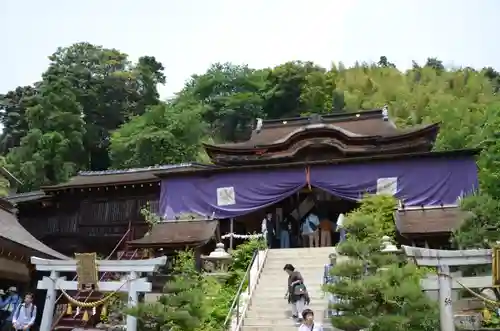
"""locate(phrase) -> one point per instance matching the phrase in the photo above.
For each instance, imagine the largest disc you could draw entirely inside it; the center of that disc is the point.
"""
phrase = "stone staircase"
(268, 309)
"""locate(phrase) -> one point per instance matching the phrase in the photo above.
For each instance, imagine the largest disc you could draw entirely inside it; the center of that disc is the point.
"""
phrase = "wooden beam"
(150, 265)
(436, 257)
(431, 283)
(141, 285)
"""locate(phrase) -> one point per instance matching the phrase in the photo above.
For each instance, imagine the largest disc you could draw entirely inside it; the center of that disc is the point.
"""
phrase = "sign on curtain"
(226, 196)
(387, 185)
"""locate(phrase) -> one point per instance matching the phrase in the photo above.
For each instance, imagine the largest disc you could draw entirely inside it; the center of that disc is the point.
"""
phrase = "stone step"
(278, 251)
(284, 313)
(280, 291)
(281, 307)
(281, 328)
(278, 269)
(280, 285)
(301, 259)
(281, 300)
(314, 292)
(278, 322)
(315, 272)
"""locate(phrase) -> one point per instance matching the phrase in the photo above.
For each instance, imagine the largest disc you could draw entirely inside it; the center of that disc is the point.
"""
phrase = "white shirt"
(263, 227)
(316, 327)
(340, 222)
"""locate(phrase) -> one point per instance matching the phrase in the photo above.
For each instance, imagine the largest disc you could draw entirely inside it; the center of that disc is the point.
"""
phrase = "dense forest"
(93, 109)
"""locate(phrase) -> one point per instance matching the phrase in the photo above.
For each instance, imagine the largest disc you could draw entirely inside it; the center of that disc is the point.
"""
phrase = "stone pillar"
(50, 302)
(445, 301)
(133, 298)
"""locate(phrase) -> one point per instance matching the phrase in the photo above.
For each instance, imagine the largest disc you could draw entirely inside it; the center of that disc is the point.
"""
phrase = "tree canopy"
(93, 109)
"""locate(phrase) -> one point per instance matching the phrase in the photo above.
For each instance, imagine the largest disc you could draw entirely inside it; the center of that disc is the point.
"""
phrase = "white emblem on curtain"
(388, 185)
(226, 196)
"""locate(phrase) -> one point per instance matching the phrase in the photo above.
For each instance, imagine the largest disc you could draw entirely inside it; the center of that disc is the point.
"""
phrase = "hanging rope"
(308, 177)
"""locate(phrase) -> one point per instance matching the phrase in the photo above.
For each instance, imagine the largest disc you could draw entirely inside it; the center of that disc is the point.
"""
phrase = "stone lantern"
(217, 263)
(387, 247)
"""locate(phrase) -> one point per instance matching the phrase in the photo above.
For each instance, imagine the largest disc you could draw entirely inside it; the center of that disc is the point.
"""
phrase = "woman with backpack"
(297, 292)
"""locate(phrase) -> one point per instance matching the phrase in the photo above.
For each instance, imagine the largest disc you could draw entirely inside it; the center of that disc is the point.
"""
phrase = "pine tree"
(377, 291)
(182, 305)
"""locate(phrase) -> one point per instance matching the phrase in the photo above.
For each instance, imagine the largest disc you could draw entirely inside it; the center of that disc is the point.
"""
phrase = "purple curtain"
(211, 195)
(418, 181)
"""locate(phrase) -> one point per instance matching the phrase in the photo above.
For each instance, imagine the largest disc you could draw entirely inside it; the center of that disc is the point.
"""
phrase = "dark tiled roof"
(13, 231)
(429, 219)
(126, 176)
(25, 197)
(361, 124)
(178, 232)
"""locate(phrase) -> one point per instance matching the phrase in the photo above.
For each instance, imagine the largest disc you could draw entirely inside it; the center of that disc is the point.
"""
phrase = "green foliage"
(50, 152)
(480, 229)
(381, 209)
(124, 124)
(165, 134)
(183, 304)
(242, 257)
(378, 291)
(192, 301)
(4, 182)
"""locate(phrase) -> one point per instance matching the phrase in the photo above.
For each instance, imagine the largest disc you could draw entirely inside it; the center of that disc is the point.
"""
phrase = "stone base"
(468, 320)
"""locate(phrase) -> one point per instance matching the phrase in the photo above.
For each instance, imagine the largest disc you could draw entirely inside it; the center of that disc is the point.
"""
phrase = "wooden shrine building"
(340, 156)
(334, 158)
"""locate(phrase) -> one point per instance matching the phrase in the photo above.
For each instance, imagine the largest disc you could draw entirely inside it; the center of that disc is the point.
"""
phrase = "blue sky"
(188, 35)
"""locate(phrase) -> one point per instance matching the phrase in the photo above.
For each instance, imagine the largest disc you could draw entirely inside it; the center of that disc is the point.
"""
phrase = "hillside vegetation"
(93, 109)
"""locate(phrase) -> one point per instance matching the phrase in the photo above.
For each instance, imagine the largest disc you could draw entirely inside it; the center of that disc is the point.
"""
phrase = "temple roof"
(86, 179)
(16, 238)
(429, 219)
(359, 133)
(184, 232)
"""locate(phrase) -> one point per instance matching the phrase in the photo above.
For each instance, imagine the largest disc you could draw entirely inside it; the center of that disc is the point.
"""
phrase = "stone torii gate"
(131, 284)
(443, 260)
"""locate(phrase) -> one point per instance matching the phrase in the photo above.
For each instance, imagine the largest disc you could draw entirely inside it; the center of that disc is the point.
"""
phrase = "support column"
(50, 302)
(445, 301)
(231, 231)
(132, 301)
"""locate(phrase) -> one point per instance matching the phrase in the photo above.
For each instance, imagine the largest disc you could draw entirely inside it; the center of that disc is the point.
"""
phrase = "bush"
(378, 292)
(194, 302)
(183, 305)
(480, 228)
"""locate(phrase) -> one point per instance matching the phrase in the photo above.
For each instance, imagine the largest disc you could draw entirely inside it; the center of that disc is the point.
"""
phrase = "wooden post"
(133, 298)
(50, 302)
(231, 232)
(445, 303)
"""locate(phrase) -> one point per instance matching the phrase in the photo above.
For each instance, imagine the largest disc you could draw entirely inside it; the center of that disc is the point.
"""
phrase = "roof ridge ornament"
(315, 119)
(258, 126)
(385, 113)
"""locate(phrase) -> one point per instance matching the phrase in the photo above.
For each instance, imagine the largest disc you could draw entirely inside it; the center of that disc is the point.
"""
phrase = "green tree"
(165, 134)
(284, 85)
(183, 303)
(13, 106)
(378, 291)
(231, 99)
(109, 88)
(51, 151)
(4, 182)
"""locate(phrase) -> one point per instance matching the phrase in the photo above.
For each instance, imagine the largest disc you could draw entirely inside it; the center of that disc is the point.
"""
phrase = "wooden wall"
(81, 220)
